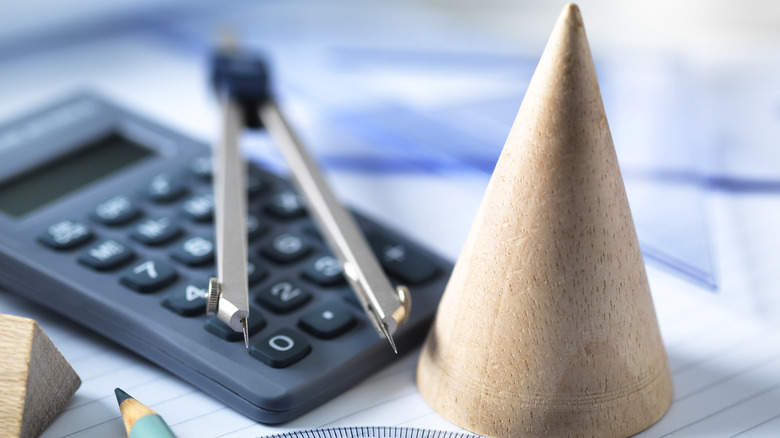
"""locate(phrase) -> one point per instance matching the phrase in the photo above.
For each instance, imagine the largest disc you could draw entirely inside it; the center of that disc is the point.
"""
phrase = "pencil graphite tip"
(121, 395)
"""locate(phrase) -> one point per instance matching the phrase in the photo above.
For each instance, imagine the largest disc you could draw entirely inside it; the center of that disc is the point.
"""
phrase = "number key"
(325, 271)
(189, 300)
(286, 206)
(194, 251)
(149, 276)
(283, 296)
(286, 248)
(199, 208)
(282, 349)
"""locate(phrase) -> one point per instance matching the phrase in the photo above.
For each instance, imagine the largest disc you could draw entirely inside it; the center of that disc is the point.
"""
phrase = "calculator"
(107, 218)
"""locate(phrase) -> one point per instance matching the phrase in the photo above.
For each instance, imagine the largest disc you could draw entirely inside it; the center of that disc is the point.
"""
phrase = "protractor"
(373, 432)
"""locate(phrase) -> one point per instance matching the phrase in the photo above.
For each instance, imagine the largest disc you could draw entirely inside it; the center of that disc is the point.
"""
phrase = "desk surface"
(693, 104)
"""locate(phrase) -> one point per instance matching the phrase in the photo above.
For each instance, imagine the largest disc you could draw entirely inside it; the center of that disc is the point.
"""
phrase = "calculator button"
(156, 231)
(255, 271)
(221, 330)
(203, 167)
(116, 211)
(149, 276)
(65, 234)
(199, 208)
(286, 248)
(255, 227)
(106, 255)
(194, 251)
(189, 300)
(325, 271)
(283, 296)
(406, 263)
(286, 205)
(164, 188)
(281, 349)
(328, 320)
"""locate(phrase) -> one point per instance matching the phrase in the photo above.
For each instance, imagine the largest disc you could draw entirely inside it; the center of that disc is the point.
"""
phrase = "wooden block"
(36, 382)
(547, 326)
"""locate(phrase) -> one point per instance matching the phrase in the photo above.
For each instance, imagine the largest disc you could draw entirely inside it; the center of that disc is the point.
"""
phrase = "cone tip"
(571, 14)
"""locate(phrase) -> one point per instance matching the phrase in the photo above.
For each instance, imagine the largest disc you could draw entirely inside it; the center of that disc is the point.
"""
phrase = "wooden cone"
(36, 381)
(547, 325)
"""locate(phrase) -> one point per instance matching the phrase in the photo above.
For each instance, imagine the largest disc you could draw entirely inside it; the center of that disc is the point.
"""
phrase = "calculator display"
(63, 175)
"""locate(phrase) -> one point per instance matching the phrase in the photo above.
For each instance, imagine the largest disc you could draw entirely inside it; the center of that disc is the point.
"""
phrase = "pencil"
(140, 421)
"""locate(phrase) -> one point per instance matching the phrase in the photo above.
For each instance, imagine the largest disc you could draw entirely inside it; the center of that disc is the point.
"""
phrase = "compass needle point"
(389, 337)
(246, 332)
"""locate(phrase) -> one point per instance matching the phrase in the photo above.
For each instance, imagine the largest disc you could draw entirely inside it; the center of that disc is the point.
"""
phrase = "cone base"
(618, 413)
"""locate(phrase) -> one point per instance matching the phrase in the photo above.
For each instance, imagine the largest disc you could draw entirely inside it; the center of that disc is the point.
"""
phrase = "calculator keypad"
(181, 228)
(193, 248)
(165, 222)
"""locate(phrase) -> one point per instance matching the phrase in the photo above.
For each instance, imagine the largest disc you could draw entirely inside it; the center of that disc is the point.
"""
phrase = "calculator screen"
(64, 174)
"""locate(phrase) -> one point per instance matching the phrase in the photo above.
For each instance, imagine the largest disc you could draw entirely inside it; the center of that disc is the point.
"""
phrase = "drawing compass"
(228, 294)
(242, 76)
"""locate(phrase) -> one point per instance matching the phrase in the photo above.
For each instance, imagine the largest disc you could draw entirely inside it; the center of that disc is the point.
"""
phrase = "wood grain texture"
(36, 381)
(547, 326)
